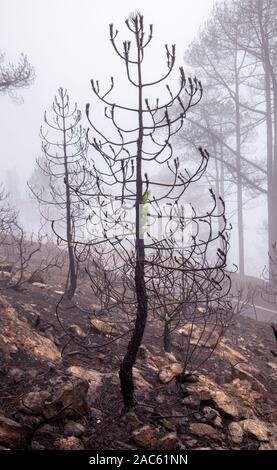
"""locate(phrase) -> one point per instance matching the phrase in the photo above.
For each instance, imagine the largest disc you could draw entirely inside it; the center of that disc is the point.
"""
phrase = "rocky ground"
(54, 394)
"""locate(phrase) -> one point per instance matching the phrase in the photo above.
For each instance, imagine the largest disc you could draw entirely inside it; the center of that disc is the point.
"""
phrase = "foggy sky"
(67, 42)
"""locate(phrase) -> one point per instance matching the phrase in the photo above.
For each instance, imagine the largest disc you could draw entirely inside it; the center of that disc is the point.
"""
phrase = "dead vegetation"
(56, 394)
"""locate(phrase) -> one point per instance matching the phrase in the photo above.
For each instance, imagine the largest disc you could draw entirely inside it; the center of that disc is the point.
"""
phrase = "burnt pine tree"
(131, 210)
(14, 77)
(64, 156)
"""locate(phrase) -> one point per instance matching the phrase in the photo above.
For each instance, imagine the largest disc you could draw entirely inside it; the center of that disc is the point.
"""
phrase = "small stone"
(236, 432)
(170, 356)
(40, 285)
(218, 422)
(143, 352)
(76, 330)
(210, 412)
(191, 442)
(73, 428)
(191, 401)
(205, 430)
(203, 448)
(145, 436)
(17, 374)
(37, 446)
(34, 402)
(168, 425)
(160, 399)
(168, 442)
(131, 420)
(159, 361)
(103, 328)
(6, 267)
(69, 443)
(167, 373)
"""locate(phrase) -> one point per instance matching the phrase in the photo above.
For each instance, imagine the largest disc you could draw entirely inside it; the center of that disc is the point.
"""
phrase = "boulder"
(102, 327)
(12, 434)
(92, 377)
(17, 335)
(201, 390)
(167, 373)
(168, 442)
(71, 396)
(225, 404)
(64, 397)
(140, 382)
(205, 430)
(204, 389)
(236, 432)
(34, 402)
(145, 436)
(248, 372)
(200, 335)
(255, 428)
(230, 354)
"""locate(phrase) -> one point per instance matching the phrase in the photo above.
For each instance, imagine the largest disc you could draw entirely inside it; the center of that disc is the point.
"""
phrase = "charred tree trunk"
(71, 283)
(239, 174)
(219, 183)
(126, 369)
(167, 337)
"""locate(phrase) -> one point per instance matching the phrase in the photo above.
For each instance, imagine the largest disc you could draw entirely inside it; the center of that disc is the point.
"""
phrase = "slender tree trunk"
(126, 369)
(272, 173)
(217, 185)
(271, 126)
(221, 186)
(239, 176)
(167, 337)
(71, 283)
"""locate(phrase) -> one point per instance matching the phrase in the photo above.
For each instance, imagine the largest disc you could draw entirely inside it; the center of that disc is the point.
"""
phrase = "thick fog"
(67, 43)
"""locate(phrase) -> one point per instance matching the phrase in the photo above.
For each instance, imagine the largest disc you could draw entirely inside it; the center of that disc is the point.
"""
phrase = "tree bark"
(126, 369)
(166, 337)
(239, 171)
(71, 283)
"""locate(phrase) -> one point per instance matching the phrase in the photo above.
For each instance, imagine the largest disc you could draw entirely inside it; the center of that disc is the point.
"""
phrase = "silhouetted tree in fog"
(226, 69)
(257, 39)
(130, 200)
(14, 77)
(65, 151)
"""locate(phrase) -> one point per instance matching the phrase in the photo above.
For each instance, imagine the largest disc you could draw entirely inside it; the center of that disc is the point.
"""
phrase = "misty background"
(67, 43)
